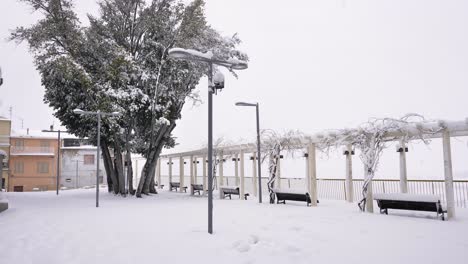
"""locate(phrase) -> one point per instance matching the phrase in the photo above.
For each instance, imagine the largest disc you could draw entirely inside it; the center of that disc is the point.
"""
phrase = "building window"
(19, 167)
(45, 146)
(42, 167)
(88, 159)
(19, 144)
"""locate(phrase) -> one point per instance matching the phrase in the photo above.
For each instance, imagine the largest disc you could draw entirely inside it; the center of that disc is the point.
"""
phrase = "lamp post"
(258, 148)
(58, 152)
(99, 115)
(218, 83)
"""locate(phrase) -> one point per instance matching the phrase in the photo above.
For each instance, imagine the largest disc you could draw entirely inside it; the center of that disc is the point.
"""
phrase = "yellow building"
(33, 161)
(5, 130)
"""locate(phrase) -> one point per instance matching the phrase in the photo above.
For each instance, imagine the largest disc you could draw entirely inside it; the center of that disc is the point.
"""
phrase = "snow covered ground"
(171, 228)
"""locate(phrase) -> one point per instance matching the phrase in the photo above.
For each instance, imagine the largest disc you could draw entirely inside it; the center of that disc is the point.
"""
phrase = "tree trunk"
(129, 172)
(119, 168)
(109, 166)
(151, 160)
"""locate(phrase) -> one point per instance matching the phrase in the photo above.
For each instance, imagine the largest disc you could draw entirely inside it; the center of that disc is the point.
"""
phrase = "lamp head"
(78, 111)
(245, 104)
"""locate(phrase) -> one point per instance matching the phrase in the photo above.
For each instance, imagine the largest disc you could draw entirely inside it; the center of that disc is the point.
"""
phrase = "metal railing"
(334, 189)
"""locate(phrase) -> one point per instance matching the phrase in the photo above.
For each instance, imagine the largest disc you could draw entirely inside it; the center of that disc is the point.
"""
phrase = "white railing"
(15, 150)
(334, 189)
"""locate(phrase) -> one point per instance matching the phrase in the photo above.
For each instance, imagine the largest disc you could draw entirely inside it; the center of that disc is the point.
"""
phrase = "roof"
(2, 118)
(24, 133)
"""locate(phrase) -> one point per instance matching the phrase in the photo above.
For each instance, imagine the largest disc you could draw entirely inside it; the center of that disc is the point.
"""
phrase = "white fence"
(334, 189)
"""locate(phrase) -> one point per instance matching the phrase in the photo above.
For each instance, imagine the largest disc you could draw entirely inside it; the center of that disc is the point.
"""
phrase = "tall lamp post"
(213, 85)
(58, 152)
(99, 115)
(258, 148)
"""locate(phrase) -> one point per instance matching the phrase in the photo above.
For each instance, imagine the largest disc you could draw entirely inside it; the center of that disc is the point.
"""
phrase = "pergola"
(440, 129)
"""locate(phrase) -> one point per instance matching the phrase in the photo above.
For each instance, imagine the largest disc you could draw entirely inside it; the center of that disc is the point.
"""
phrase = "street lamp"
(213, 85)
(99, 115)
(258, 148)
(58, 152)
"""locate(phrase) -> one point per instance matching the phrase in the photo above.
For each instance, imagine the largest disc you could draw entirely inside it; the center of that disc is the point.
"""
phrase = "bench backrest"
(175, 184)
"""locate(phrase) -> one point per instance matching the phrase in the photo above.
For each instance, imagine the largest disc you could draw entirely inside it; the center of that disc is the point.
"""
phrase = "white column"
(205, 186)
(448, 174)
(278, 173)
(191, 171)
(236, 168)
(159, 173)
(170, 173)
(254, 174)
(136, 169)
(369, 196)
(221, 170)
(403, 171)
(312, 174)
(181, 173)
(242, 175)
(349, 174)
(195, 170)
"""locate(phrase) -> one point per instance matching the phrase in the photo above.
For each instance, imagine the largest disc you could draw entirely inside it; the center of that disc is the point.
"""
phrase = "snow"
(171, 227)
(407, 197)
(183, 53)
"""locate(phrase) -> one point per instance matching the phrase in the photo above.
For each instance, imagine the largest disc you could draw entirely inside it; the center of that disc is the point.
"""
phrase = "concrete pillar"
(221, 170)
(349, 174)
(278, 174)
(254, 173)
(170, 172)
(242, 175)
(312, 174)
(136, 172)
(191, 172)
(369, 196)
(448, 174)
(236, 168)
(181, 173)
(205, 186)
(195, 170)
(158, 173)
(402, 149)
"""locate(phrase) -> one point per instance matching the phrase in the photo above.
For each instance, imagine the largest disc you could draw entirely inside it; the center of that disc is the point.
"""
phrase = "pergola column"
(236, 168)
(191, 171)
(205, 187)
(349, 173)
(402, 149)
(159, 173)
(242, 175)
(170, 173)
(369, 196)
(195, 170)
(221, 170)
(312, 174)
(278, 173)
(181, 173)
(448, 174)
(254, 173)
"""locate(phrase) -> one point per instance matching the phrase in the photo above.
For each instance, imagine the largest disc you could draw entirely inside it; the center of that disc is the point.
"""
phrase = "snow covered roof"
(2, 118)
(30, 133)
(86, 147)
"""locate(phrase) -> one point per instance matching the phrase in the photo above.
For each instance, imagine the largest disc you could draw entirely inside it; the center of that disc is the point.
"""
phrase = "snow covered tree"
(273, 143)
(119, 63)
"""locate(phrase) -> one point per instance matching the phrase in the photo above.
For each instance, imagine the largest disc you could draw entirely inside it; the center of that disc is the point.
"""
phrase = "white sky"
(314, 65)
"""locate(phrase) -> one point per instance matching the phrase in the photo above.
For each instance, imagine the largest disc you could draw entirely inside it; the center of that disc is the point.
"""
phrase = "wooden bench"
(227, 191)
(404, 201)
(176, 185)
(283, 195)
(196, 188)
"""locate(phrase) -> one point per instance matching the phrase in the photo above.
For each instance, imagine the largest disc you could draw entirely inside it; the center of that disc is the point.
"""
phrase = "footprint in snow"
(253, 239)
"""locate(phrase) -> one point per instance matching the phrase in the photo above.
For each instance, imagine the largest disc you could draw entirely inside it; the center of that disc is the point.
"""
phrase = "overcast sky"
(314, 65)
